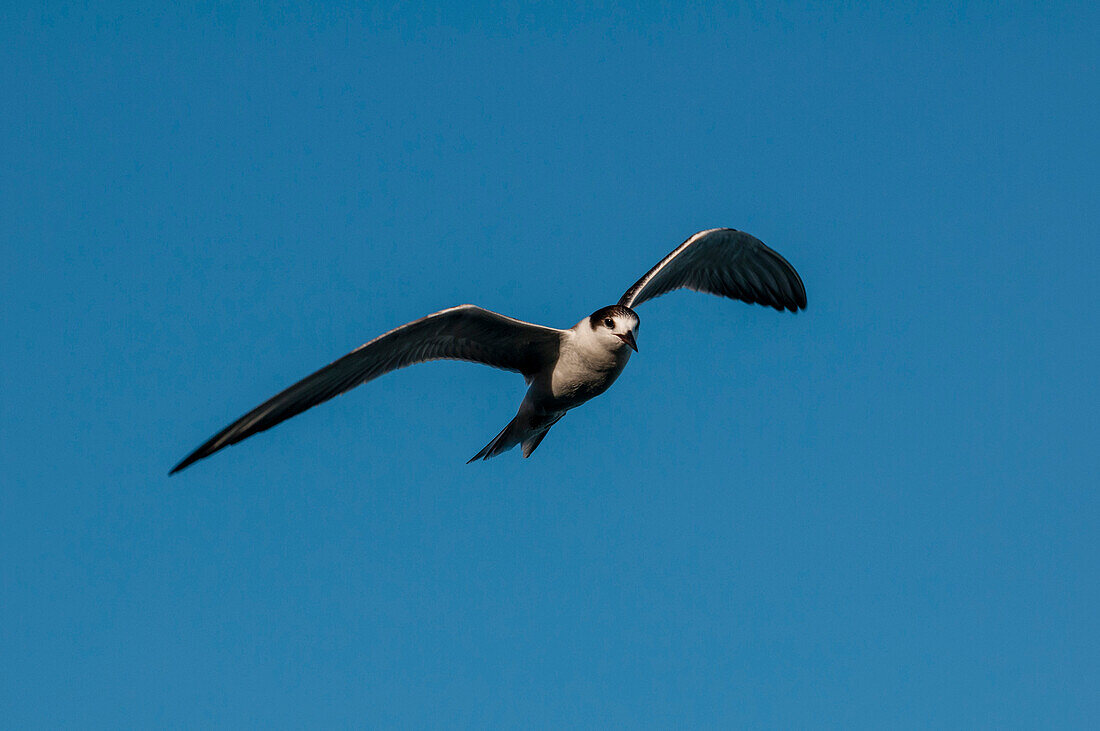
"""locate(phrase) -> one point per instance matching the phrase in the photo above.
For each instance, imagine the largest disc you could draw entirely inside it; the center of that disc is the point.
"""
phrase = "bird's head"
(616, 325)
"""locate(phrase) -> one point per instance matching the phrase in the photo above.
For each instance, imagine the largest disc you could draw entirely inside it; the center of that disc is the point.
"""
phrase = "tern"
(562, 368)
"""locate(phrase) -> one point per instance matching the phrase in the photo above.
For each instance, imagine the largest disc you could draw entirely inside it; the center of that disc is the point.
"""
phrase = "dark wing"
(465, 332)
(727, 262)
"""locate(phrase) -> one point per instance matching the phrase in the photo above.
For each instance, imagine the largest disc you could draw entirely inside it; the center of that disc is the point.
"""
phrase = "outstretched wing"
(726, 262)
(465, 332)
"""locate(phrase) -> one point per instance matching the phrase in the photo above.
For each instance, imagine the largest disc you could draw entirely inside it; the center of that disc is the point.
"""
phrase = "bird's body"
(563, 368)
(588, 363)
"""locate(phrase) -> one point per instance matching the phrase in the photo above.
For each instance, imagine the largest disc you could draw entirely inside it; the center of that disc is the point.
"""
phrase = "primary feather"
(726, 262)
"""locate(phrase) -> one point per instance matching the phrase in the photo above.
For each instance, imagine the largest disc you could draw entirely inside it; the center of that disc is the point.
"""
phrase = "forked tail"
(518, 431)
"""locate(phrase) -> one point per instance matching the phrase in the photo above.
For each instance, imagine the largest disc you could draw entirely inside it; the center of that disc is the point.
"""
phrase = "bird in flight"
(563, 368)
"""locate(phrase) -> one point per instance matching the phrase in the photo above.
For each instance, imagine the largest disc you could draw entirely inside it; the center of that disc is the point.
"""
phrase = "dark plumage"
(726, 262)
(466, 332)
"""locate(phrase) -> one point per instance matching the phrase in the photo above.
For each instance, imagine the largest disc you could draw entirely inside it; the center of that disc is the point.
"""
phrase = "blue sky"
(881, 512)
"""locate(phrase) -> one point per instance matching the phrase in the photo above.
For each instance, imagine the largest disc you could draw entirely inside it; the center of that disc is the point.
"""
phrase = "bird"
(562, 368)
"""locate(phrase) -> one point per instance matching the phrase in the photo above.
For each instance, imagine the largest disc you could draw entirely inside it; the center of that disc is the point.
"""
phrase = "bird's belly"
(571, 384)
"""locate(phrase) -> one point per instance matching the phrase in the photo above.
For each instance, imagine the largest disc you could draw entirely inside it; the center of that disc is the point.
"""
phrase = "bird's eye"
(610, 323)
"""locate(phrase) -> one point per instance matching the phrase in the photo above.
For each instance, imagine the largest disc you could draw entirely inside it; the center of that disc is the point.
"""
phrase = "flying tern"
(562, 368)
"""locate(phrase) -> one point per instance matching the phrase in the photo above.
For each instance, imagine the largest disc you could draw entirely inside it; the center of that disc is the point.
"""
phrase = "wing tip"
(202, 452)
(792, 306)
(799, 295)
(187, 462)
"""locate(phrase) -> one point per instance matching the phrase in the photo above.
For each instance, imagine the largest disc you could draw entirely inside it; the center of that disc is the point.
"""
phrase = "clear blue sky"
(881, 512)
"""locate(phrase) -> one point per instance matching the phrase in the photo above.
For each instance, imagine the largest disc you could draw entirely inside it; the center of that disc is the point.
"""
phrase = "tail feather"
(509, 437)
(517, 432)
(531, 443)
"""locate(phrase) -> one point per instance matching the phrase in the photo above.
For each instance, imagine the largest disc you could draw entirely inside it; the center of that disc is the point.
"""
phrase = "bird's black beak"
(628, 339)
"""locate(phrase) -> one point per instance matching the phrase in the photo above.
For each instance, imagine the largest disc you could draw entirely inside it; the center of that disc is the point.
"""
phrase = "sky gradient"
(881, 512)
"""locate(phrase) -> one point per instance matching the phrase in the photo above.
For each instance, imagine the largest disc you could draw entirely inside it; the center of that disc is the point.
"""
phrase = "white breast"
(586, 367)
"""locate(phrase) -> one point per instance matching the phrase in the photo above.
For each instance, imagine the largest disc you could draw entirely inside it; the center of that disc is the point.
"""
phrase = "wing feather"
(465, 332)
(725, 262)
